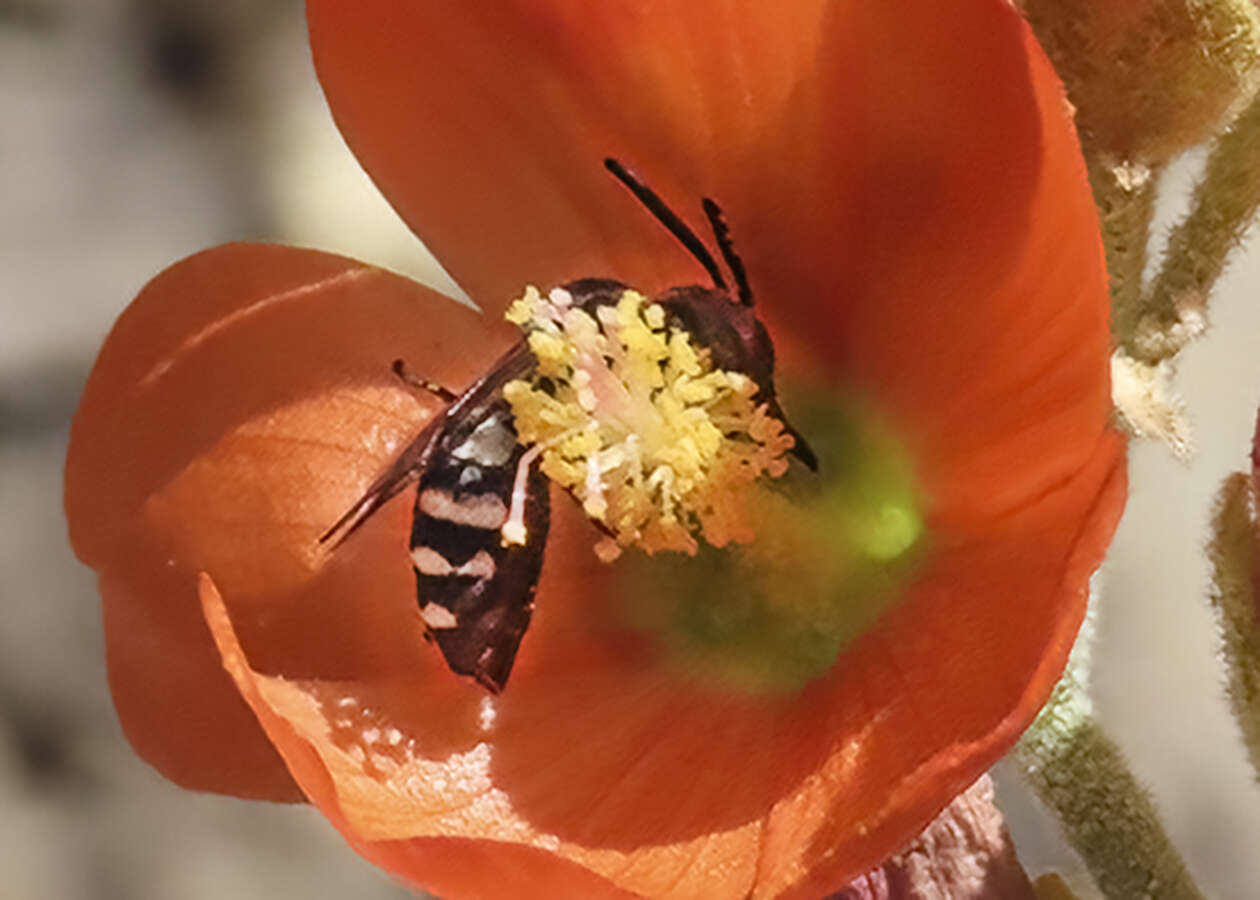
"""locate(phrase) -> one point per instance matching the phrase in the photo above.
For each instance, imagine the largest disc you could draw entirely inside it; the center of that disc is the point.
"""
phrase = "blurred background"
(136, 132)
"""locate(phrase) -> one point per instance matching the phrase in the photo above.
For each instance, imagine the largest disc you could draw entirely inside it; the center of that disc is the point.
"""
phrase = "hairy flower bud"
(1234, 552)
(1150, 78)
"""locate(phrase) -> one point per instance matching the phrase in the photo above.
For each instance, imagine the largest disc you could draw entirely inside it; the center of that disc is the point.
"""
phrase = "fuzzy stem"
(1108, 817)
(1223, 206)
(1234, 555)
(1125, 195)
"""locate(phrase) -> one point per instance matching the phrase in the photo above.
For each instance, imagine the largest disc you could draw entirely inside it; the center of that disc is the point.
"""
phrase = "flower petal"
(486, 125)
(239, 406)
(944, 717)
(158, 658)
(373, 776)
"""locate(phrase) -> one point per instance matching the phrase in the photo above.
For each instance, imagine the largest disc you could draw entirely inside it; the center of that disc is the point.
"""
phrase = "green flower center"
(832, 552)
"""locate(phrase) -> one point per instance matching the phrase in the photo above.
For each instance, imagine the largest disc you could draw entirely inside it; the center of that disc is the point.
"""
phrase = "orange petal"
(963, 667)
(486, 125)
(376, 780)
(240, 404)
(979, 325)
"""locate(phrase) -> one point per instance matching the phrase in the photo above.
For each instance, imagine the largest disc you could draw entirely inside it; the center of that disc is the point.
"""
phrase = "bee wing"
(405, 469)
(411, 463)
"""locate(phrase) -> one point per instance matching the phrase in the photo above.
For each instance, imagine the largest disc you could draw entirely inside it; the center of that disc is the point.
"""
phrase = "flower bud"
(965, 853)
(1149, 78)
(1234, 552)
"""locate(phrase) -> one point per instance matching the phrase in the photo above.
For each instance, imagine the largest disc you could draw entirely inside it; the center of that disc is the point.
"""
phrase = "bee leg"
(514, 530)
(801, 448)
(412, 380)
(608, 548)
(803, 451)
(602, 527)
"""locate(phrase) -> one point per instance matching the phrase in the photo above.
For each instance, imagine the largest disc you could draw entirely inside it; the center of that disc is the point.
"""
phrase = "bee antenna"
(722, 232)
(667, 217)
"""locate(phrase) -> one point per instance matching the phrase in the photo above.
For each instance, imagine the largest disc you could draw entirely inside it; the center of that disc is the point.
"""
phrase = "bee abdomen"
(476, 594)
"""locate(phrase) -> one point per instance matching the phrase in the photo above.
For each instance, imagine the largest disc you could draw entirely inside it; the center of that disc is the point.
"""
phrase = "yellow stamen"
(632, 418)
(513, 530)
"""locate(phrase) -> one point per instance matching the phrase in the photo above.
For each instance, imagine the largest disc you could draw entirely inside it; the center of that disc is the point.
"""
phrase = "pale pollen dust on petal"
(357, 730)
(488, 714)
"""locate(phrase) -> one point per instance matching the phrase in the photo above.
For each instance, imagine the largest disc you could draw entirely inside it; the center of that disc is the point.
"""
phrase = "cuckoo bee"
(482, 497)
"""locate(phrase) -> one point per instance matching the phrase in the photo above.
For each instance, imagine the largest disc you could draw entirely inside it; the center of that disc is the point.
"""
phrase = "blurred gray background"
(135, 132)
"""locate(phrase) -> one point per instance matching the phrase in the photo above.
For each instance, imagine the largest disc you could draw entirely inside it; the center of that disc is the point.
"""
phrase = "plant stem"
(1222, 208)
(1235, 557)
(1107, 816)
(1125, 196)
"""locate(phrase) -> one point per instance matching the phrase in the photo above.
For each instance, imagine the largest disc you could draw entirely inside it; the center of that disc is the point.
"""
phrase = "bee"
(482, 506)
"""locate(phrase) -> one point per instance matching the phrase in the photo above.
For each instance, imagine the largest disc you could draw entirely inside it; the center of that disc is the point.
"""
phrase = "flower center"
(632, 418)
(833, 551)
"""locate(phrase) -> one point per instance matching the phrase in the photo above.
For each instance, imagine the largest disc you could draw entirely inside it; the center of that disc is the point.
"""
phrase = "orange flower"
(904, 184)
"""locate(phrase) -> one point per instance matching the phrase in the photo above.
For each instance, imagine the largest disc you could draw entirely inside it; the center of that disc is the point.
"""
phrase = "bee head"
(731, 332)
(720, 320)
